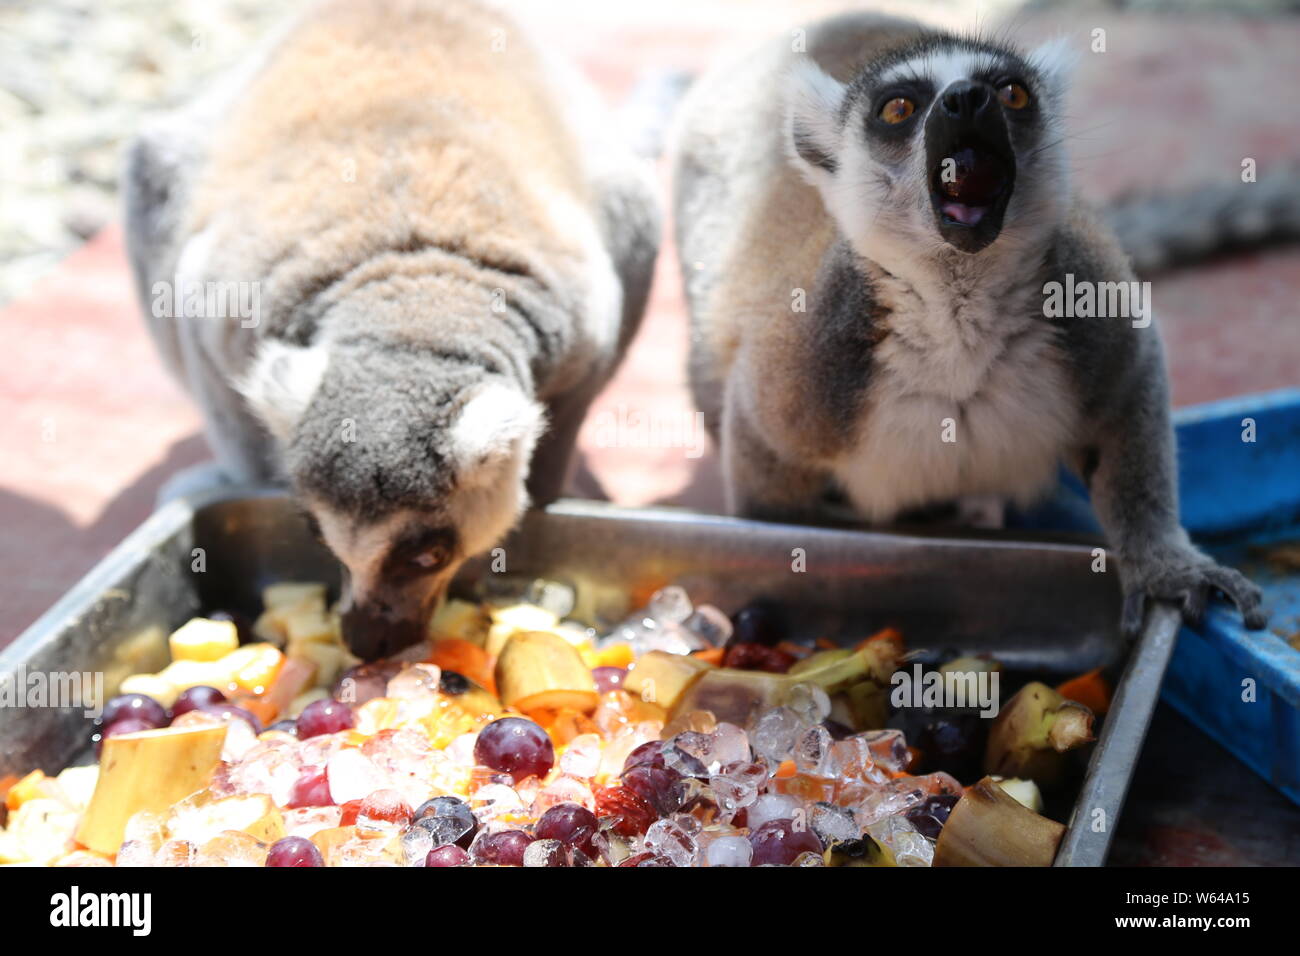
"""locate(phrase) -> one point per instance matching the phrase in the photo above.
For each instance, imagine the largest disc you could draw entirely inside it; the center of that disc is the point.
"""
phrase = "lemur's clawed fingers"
(1187, 580)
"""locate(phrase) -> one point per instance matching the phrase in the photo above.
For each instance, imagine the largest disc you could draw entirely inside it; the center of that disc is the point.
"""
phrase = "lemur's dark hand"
(1184, 577)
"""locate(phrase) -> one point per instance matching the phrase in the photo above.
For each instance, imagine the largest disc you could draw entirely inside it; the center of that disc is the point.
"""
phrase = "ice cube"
(810, 702)
(306, 821)
(668, 838)
(774, 732)
(563, 789)
(495, 800)
(670, 605)
(415, 682)
(353, 776)
(232, 848)
(710, 625)
(889, 749)
(581, 758)
(813, 750)
(544, 853)
(897, 796)
(833, 824)
(901, 838)
(135, 853)
(556, 596)
(772, 806)
(729, 851)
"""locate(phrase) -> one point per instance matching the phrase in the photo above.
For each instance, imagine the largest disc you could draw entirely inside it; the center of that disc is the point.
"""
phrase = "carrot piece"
(797, 651)
(712, 655)
(616, 655)
(826, 644)
(465, 658)
(295, 676)
(884, 634)
(788, 768)
(1089, 689)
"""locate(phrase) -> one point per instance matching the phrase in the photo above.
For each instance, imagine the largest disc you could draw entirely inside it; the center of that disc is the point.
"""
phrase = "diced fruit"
(293, 594)
(462, 620)
(330, 660)
(28, 788)
(256, 669)
(384, 807)
(150, 685)
(515, 746)
(662, 678)
(1026, 792)
(149, 770)
(459, 655)
(183, 674)
(324, 717)
(254, 814)
(1033, 732)
(539, 670)
(294, 851)
(41, 831)
(296, 676)
(200, 639)
(517, 618)
(988, 827)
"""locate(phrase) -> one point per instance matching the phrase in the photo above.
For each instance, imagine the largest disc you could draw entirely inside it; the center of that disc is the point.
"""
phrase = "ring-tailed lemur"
(449, 253)
(868, 231)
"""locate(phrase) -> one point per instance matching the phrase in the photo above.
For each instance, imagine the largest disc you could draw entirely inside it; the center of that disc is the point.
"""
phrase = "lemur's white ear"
(813, 100)
(498, 424)
(281, 383)
(1056, 59)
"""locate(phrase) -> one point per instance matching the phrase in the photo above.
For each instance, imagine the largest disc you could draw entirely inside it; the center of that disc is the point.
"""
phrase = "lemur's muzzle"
(972, 166)
(381, 625)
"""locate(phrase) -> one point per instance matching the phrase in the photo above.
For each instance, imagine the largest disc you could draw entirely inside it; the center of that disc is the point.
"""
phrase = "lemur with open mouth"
(867, 226)
(452, 252)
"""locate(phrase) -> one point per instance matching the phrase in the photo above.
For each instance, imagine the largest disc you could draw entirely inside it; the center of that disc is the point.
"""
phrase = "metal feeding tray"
(1035, 605)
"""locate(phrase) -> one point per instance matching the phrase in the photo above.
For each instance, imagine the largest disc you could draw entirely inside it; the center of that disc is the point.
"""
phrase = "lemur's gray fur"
(452, 254)
(847, 318)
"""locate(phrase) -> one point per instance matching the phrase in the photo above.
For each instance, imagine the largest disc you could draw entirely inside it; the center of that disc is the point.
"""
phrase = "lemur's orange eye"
(1013, 96)
(430, 559)
(897, 110)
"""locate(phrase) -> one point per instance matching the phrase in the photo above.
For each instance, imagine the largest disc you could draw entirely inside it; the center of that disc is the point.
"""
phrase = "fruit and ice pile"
(516, 737)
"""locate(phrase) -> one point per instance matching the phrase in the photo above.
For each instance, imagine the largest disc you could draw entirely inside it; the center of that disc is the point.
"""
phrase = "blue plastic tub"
(1241, 501)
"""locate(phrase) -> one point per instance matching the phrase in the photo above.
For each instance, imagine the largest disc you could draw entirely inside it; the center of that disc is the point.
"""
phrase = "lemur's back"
(739, 204)
(391, 124)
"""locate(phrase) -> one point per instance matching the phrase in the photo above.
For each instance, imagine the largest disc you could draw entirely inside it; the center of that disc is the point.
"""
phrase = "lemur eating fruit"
(450, 253)
(868, 225)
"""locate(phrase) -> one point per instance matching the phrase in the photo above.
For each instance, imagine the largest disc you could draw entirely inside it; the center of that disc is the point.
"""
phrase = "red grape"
(196, 698)
(661, 787)
(780, 842)
(137, 706)
(632, 815)
(351, 809)
(294, 851)
(324, 717)
(571, 824)
(649, 753)
(312, 789)
(646, 859)
(504, 848)
(450, 855)
(123, 725)
(232, 712)
(515, 746)
(608, 678)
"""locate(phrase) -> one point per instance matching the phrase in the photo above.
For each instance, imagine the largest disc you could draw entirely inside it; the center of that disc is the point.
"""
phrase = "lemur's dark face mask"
(971, 161)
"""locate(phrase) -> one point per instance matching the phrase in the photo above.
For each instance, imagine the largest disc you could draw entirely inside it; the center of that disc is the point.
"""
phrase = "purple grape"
(311, 789)
(650, 754)
(515, 746)
(233, 712)
(136, 706)
(324, 717)
(608, 678)
(661, 787)
(572, 825)
(448, 820)
(505, 848)
(294, 851)
(196, 698)
(123, 725)
(930, 816)
(780, 842)
(450, 855)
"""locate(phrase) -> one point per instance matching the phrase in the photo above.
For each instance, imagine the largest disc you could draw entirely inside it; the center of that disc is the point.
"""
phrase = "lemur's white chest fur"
(968, 397)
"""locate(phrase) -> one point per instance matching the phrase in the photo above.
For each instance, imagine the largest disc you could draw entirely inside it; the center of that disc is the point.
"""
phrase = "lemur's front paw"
(1185, 577)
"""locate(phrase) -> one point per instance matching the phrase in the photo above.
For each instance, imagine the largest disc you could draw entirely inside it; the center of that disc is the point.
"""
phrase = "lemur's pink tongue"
(967, 215)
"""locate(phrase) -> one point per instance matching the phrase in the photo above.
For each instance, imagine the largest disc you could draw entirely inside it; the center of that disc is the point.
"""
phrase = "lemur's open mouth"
(971, 181)
(967, 182)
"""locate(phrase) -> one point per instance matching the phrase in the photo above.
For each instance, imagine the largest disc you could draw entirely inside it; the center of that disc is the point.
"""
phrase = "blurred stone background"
(90, 426)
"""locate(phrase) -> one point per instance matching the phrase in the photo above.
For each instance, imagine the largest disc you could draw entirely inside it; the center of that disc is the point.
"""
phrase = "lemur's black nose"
(966, 99)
